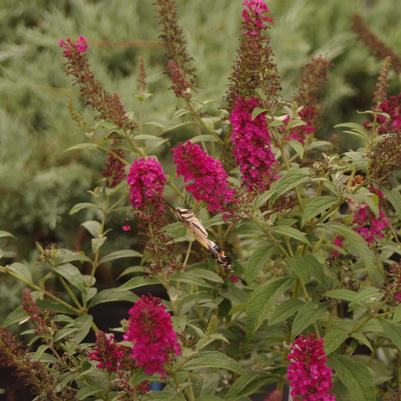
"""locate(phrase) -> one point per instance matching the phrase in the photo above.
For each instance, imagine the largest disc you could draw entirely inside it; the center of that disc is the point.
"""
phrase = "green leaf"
(262, 299)
(207, 275)
(298, 148)
(317, 206)
(394, 198)
(80, 206)
(203, 138)
(285, 310)
(83, 146)
(288, 182)
(213, 359)
(71, 274)
(307, 268)
(392, 332)
(87, 391)
(112, 295)
(67, 256)
(355, 129)
(257, 111)
(94, 227)
(4, 234)
(334, 339)
(125, 253)
(16, 316)
(189, 278)
(291, 232)
(97, 243)
(355, 376)
(258, 260)
(359, 247)
(247, 384)
(209, 397)
(20, 270)
(308, 314)
(342, 293)
(137, 282)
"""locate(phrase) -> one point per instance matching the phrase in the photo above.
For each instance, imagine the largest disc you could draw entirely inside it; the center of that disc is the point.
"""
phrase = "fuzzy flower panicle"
(309, 376)
(181, 86)
(252, 145)
(204, 176)
(152, 334)
(107, 352)
(147, 180)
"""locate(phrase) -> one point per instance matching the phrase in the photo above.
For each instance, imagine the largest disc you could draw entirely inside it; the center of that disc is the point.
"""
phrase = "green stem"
(202, 123)
(37, 288)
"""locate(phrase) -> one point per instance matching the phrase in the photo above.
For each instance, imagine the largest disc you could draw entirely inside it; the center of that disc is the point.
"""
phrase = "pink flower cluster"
(308, 115)
(254, 16)
(367, 224)
(147, 180)
(204, 176)
(308, 374)
(391, 106)
(80, 45)
(252, 145)
(153, 336)
(107, 352)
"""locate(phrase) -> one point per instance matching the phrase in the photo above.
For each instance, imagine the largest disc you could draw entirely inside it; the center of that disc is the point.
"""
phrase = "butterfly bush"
(151, 331)
(204, 176)
(309, 376)
(147, 180)
(252, 145)
(251, 260)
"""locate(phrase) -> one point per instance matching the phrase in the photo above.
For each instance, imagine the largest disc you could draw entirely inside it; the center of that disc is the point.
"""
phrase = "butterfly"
(196, 229)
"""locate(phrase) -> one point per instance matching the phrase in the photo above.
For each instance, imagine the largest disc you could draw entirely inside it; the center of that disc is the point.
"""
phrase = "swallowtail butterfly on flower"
(195, 227)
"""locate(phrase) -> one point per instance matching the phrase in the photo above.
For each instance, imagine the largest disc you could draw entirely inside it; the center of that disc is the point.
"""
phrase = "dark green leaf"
(94, 228)
(285, 310)
(317, 206)
(308, 314)
(359, 247)
(112, 295)
(125, 253)
(355, 376)
(213, 359)
(71, 274)
(290, 232)
(392, 332)
(333, 339)
(262, 299)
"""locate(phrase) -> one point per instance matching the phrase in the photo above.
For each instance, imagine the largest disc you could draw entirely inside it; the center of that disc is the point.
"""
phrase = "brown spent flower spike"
(377, 47)
(181, 86)
(142, 83)
(174, 40)
(108, 105)
(32, 373)
(382, 84)
(253, 68)
(313, 78)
